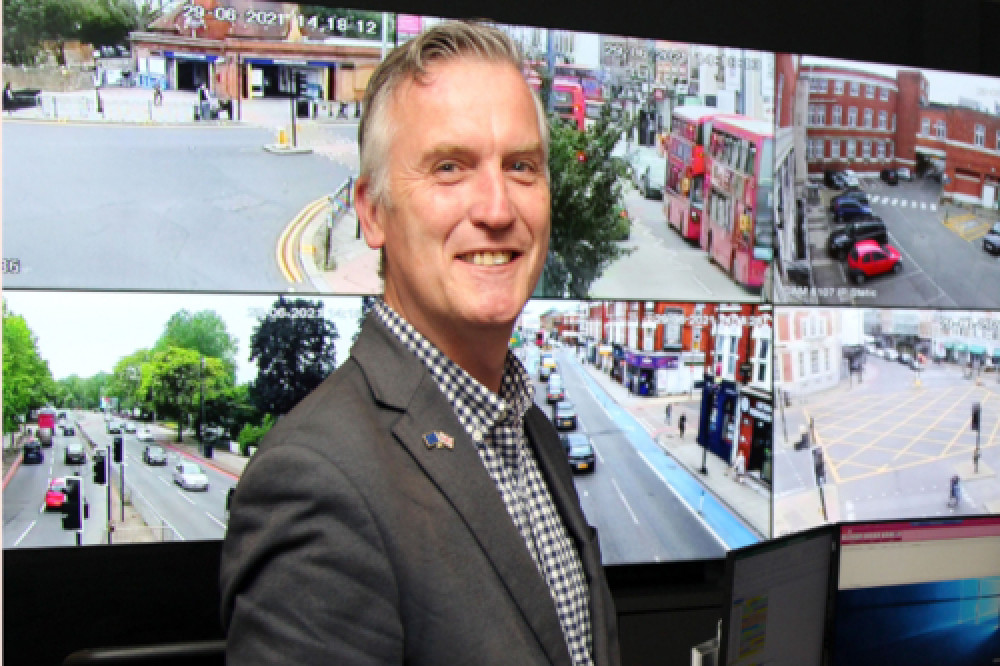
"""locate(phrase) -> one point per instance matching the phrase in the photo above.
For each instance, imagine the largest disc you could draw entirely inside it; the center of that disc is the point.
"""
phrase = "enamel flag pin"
(439, 440)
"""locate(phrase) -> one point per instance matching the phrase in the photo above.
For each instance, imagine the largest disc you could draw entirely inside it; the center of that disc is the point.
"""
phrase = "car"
(555, 390)
(67, 430)
(991, 241)
(652, 178)
(854, 195)
(55, 494)
(834, 179)
(851, 180)
(154, 454)
(868, 259)
(841, 240)
(891, 354)
(31, 453)
(579, 451)
(74, 454)
(904, 173)
(24, 98)
(889, 176)
(129, 428)
(190, 476)
(565, 415)
(905, 358)
(144, 434)
(546, 366)
(115, 427)
(848, 208)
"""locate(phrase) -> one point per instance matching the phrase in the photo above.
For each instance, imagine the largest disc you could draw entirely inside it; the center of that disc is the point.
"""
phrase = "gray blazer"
(352, 542)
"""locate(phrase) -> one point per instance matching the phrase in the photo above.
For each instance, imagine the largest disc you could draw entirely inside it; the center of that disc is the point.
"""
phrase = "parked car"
(546, 366)
(851, 180)
(144, 434)
(845, 209)
(115, 427)
(905, 358)
(869, 259)
(579, 451)
(24, 98)
(889, 176)
(834, 179)
(154, 454)
(856, 195)
(991, 241)
(74, 454)
(904, 173)
(129, 427)
(565, 415)
(891, 354)
(555, 390)
(67, 430)
(31, 453)
(843, 239)
(55, 494)
(189, 476)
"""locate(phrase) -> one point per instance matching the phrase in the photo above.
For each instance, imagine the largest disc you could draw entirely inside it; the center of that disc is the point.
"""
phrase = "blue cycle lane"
(727, 528)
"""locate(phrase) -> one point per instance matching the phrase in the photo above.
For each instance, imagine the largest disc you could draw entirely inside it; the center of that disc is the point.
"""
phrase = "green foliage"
(204, 332)
(586, 188)
(366, 306)
(81, 393)
(295, 350)
(251, 435)
(27, 381)
(177, 378)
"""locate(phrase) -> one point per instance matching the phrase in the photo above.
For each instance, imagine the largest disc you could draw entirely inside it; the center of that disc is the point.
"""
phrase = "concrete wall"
(51, 78)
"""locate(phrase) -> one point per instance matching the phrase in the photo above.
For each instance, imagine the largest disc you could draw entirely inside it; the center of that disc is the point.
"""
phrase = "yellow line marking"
(975, 232)
(286, 250)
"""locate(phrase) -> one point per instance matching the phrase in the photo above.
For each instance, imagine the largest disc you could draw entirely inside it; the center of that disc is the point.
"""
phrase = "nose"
(492, 205)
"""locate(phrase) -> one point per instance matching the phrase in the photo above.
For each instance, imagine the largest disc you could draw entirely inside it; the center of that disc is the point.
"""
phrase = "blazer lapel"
(400, 380)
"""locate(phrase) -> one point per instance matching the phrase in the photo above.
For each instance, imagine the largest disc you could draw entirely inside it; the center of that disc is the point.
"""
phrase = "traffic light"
(73, 506)
(977, 410)
(118, 448)
(301, 83)
(100, 468)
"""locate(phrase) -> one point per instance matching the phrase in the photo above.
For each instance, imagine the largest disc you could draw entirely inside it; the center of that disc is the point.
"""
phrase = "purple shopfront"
(649, 373)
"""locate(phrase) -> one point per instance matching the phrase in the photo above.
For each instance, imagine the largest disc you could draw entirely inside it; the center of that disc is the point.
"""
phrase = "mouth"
(489, 258)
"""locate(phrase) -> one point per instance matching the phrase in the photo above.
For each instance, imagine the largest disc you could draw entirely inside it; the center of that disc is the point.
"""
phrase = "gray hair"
(447, 41)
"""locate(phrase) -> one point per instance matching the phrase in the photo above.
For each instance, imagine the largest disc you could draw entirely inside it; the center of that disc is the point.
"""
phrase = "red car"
(868, 259)
(55, 496)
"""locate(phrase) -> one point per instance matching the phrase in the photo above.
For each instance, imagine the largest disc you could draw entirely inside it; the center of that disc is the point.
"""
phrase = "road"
(662, 265)
(639, 500)
(942, 256)
(132, 207)
(891, 444)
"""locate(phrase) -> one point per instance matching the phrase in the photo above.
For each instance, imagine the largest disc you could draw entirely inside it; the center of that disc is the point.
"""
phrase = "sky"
(945, 87)
(83, 333)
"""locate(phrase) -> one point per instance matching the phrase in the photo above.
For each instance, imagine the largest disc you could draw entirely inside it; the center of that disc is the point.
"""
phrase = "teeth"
(489, 258)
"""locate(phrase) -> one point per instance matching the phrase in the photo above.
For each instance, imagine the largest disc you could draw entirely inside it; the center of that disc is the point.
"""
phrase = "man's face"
(467, 226)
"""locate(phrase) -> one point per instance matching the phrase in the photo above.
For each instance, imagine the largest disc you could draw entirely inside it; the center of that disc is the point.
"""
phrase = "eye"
(524, 166)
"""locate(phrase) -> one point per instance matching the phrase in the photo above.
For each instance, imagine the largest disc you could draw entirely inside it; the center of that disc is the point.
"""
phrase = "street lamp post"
(201, 395)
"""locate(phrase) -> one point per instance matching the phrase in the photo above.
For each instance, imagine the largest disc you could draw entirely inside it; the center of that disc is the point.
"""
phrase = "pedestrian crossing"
(888, 200)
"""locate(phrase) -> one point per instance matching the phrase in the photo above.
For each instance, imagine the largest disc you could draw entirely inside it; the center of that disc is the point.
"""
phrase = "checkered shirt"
(496, 425)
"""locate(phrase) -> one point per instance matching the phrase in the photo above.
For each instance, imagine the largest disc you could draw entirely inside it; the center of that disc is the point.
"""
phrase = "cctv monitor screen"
(777, 600)
(184, 209)
(919, 592)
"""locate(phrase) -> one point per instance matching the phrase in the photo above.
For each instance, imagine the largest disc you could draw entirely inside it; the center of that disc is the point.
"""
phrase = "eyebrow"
(446, 150)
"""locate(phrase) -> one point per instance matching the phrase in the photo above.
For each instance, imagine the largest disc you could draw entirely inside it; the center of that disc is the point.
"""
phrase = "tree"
(131, 381)
(204, 332)
(176, 380)
(587, 205)
(367, 302)
(27, 381)
(295, 350)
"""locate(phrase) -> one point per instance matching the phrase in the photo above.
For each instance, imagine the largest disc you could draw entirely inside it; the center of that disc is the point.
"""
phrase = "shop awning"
(977, 349)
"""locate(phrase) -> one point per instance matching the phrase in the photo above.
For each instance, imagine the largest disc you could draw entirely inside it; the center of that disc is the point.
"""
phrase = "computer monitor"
(918, 592)
(777, 593)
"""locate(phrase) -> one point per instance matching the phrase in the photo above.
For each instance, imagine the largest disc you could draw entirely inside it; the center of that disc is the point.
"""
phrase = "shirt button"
(477, 436)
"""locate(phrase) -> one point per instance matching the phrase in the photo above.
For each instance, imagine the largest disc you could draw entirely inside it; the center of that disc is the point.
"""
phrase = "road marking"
(215, 520)
(24, 534)
(624, 501)
(975, 232)
(286, 251)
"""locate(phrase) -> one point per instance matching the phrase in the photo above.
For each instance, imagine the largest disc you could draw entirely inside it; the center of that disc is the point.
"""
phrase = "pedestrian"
(740, 465)
(204, 104)
(681, 422)
(417, 507)
(8, 98)
(157, 94)
(668, 413)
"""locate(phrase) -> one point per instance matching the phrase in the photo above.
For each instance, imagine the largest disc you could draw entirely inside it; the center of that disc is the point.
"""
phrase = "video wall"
(770, 295)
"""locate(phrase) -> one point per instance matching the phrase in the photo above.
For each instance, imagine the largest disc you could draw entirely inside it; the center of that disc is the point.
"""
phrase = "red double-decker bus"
(568, 101)
(684, 190)
(738, 228)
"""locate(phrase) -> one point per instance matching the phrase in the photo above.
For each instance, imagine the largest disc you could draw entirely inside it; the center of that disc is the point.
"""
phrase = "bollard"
(282, 137)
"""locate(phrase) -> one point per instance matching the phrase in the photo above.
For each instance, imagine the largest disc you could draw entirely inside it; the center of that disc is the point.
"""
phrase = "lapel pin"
(439, 440)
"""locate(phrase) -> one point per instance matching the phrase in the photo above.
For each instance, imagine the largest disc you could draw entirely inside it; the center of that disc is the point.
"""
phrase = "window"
(941, 130)
(814, 149)
(981, 135)
(818, 85)
(998, 139)
(925, 126)
(817, 114)
(855, 88)
(802, 364)
(851, 149)
(883, 120)
(883, 94)
(868, 118)
(838, 87)
(835, 119)
(834, 148)
(880, 150)
(826, 358)
(761, 360)
(870, 91)
(852, 116)
(866, 149)
(814, 361)
(888, 149)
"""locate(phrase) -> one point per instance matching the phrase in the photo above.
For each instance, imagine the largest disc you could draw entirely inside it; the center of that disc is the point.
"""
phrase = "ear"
(370, 213)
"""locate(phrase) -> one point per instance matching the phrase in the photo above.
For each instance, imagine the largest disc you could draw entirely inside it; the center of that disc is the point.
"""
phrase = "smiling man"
(418, 507)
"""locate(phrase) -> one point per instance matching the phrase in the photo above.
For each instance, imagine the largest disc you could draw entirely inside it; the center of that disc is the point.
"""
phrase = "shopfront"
(756, 420)
(717, 424)
(651, 373)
